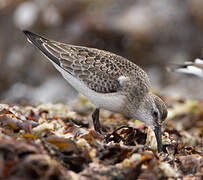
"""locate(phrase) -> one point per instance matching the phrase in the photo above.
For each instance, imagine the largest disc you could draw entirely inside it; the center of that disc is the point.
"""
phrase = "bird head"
(152, 111)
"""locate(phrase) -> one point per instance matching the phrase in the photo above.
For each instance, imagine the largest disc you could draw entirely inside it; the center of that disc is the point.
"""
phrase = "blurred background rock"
(152, 34)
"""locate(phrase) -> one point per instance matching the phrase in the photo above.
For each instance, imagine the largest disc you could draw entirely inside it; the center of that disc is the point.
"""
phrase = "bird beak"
(157, 131)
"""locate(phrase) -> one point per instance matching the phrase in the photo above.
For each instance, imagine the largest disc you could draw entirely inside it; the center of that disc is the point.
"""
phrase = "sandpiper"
(189, 67)
(109, 81)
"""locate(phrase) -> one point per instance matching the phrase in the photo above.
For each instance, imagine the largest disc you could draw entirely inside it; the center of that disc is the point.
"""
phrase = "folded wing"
(98, 69)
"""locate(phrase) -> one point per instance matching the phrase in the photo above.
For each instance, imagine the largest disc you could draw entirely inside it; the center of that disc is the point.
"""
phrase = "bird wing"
(194, 68)
(98, 69)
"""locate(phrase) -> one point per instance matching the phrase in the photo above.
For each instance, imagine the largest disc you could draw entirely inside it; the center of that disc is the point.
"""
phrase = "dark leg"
(96, 123)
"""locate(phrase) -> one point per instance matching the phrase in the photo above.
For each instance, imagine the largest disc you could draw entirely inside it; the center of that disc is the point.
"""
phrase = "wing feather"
(98, 69)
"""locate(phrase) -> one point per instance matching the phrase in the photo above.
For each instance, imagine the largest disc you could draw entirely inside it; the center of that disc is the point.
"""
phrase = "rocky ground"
(54, 141)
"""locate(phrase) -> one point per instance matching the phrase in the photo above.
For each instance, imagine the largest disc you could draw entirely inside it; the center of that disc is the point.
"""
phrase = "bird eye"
(155, 113)
(164, 115)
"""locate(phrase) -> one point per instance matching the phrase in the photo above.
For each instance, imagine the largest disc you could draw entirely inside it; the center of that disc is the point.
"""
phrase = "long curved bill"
(157, 132)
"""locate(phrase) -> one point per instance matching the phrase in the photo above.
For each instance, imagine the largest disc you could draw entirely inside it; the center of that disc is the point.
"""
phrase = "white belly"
(109, 101)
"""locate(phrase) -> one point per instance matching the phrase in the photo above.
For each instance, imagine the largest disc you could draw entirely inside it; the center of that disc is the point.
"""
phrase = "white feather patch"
(122, 79)
(191, 70)
(29, 41)
(198, 61)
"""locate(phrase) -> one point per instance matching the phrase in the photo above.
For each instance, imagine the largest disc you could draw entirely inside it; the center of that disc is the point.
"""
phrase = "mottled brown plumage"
(98, 69)
(109, 81)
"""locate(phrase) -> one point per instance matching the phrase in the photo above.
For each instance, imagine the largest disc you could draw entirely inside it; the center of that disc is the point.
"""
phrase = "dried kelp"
(52, 142)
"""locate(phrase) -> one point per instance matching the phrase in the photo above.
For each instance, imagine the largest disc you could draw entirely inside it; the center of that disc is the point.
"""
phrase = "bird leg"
(96, 123)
